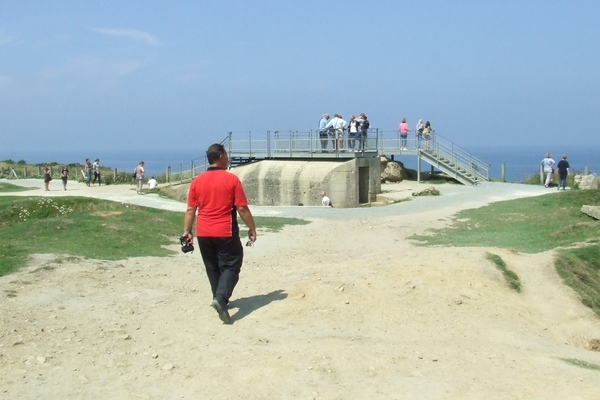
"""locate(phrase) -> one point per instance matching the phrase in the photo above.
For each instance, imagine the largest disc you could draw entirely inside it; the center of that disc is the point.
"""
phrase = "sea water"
(155, 162)
(524, 162)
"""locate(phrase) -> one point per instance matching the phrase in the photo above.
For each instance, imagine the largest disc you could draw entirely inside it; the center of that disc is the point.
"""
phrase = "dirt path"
(343, 308)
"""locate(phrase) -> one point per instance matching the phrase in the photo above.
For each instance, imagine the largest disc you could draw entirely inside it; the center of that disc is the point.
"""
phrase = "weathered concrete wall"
(294, 182)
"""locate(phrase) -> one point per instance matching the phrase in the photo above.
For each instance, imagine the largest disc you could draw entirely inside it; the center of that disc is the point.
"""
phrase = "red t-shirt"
(216, 193)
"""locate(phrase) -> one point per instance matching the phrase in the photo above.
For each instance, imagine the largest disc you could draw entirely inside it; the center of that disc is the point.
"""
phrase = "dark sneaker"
(222, 310)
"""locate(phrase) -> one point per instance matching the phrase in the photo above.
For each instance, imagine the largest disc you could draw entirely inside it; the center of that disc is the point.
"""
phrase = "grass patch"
(528, 225)
(533, 225)
(91, 228)
(9, 187)
(582, 364)
(579, 268)
(511, 277)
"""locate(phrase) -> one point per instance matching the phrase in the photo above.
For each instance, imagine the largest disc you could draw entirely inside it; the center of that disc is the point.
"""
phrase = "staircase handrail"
(461, 158)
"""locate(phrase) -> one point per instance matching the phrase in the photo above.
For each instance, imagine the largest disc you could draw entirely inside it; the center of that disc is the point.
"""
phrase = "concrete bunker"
(349, 183)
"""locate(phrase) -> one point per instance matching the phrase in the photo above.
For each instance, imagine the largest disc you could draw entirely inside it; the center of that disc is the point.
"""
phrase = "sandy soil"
(343, 308)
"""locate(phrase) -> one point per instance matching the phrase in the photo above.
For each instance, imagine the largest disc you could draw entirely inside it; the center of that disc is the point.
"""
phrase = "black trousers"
(222, 259)
(96, 176)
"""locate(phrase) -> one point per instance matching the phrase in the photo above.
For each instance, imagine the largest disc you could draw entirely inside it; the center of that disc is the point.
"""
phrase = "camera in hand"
(186, 248)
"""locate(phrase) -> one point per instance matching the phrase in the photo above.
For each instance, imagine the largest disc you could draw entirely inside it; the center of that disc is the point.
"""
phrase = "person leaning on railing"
(403, 129)
(338, 123)
(323, 135)
(364, 125)
(427, 133)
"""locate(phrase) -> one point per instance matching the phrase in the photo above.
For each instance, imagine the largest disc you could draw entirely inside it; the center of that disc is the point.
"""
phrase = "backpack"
(365, 125)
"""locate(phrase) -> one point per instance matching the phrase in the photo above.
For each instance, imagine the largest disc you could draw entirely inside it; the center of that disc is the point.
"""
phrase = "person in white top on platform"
(338, 123)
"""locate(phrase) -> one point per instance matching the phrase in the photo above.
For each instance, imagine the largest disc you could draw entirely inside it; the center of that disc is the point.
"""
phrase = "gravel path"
(452, 196)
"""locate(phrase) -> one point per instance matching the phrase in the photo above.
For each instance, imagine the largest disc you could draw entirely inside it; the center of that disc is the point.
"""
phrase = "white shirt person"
(326, 201)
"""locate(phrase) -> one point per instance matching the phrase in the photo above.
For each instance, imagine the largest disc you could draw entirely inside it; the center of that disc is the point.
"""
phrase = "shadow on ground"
(247, 305)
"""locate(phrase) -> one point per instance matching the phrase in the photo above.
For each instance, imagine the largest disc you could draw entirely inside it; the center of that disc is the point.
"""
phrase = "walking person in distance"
(64, 176)
(47, 177)
(96, 168)
(563, 171)
(139, 177)
(88, 171)
(217, 196)
(548, 165)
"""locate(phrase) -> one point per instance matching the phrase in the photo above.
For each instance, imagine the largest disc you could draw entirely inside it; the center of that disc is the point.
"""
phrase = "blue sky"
(158, 75)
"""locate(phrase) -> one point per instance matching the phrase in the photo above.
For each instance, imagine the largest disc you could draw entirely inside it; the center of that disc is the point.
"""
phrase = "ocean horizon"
(521, 162)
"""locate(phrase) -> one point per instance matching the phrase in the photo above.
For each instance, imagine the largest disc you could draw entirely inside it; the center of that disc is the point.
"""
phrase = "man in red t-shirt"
(218, 196)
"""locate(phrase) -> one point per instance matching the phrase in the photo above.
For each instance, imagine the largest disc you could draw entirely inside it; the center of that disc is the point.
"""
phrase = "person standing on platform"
(364, 125)
(353, 132)
(403, 129)
(419, 132)
(427, 131)
(338, 124)
(323, 135)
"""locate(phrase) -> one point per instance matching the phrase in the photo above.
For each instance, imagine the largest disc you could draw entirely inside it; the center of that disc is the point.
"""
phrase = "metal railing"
(288, 144)
(246, 146)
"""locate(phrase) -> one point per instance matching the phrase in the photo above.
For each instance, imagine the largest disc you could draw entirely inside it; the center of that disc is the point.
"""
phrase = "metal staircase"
(453, 161)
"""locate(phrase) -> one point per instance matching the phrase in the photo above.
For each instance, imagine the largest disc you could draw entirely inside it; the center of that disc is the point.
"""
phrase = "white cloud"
(141, 36)
(88, 67)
